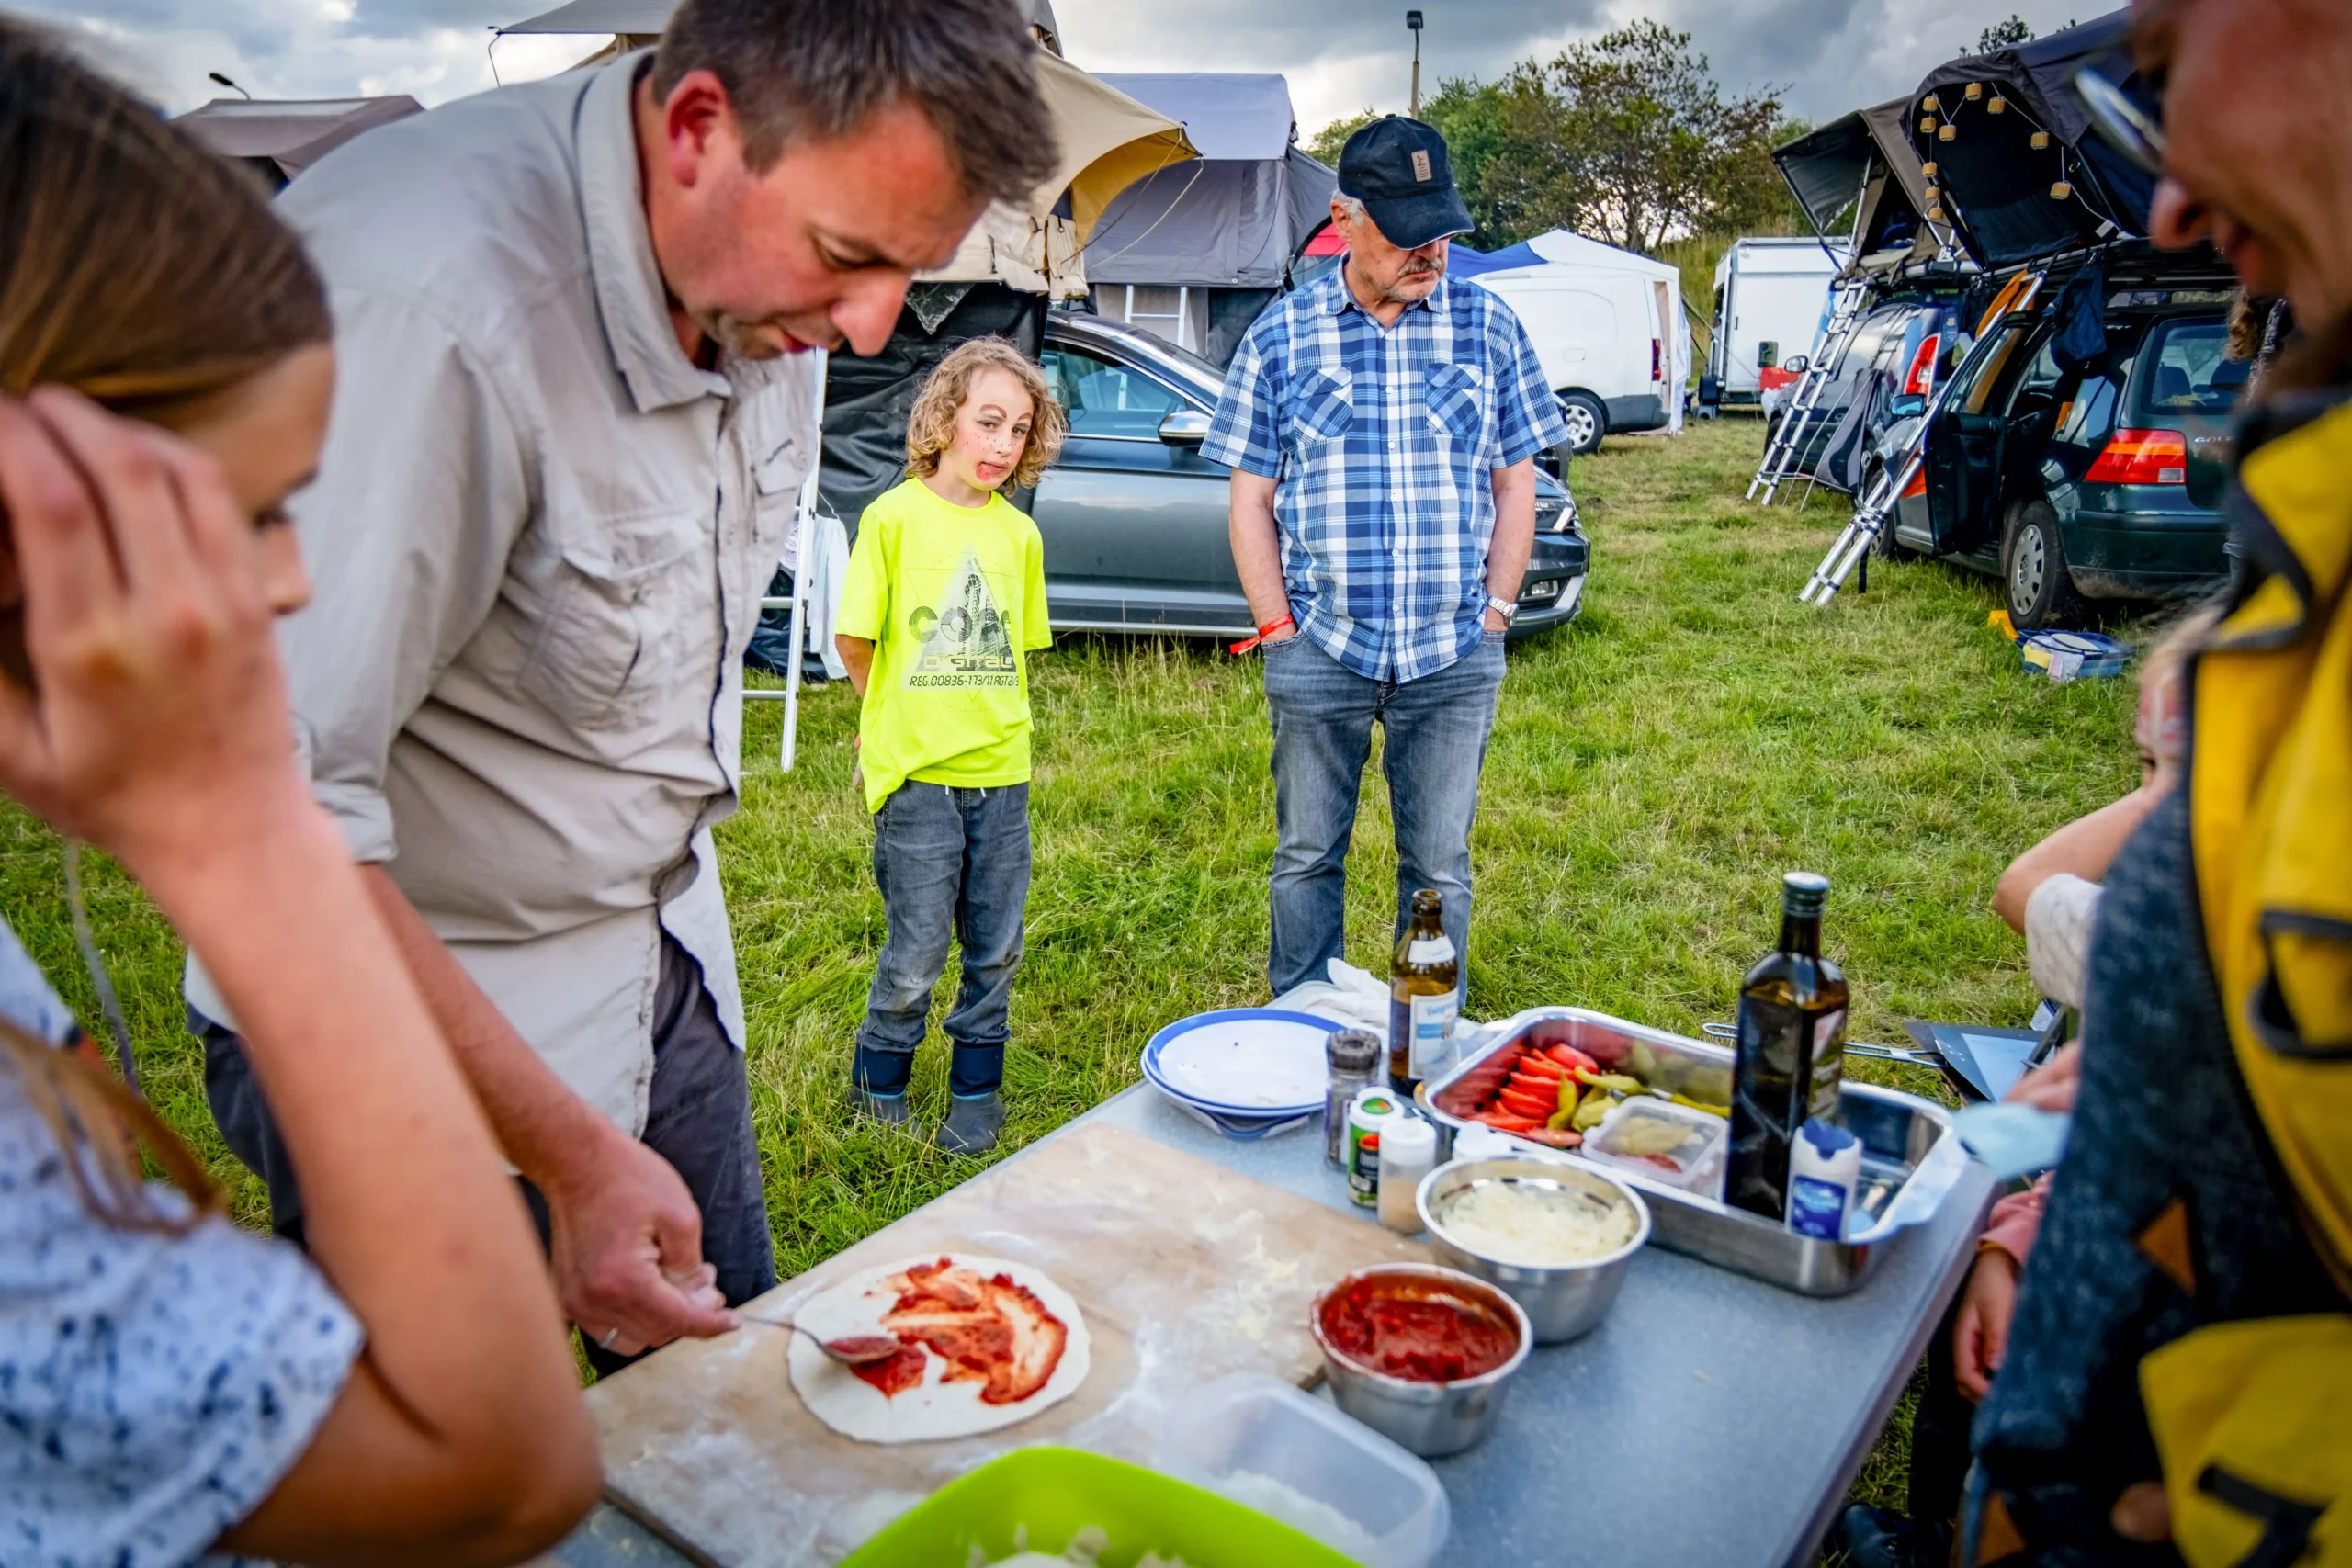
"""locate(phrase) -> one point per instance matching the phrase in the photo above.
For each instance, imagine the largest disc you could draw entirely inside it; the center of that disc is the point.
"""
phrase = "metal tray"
(1899, 1133)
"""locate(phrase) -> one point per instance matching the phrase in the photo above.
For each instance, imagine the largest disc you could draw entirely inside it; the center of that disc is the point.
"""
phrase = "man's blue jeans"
(950, 863)
(1435, 732)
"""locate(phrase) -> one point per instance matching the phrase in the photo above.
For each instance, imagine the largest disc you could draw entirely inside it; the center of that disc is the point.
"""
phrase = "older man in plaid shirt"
(1382, 425)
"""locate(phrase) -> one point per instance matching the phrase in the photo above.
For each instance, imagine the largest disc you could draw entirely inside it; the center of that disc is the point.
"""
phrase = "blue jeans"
(951, 863)
(1435, 729)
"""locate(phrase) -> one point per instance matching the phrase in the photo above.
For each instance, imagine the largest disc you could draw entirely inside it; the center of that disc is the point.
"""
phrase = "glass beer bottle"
(1423, 979)
(1791, 1056)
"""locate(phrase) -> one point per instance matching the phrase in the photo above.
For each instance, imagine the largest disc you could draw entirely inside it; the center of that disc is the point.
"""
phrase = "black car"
(2102, 481)
(1134, 517)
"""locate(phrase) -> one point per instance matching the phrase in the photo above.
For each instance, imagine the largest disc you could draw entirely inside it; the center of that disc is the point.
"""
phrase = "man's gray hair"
(1350, 208)
(815, 69)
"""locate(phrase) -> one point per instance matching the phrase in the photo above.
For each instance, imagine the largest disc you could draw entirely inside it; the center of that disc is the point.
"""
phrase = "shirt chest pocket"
(1456, 396)
(616, 634)
(1323, 407)
(778, 468)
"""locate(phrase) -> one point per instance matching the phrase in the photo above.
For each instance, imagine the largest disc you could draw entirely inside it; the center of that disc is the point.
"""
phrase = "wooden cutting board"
(1185, 1272)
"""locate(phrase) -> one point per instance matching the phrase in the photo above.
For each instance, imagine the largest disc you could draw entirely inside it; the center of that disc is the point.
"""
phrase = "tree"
(1628, 138)
(1326, 143)
(2003, 35)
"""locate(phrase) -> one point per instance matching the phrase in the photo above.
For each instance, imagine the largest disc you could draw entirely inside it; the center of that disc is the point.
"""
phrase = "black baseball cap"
(1398, 169)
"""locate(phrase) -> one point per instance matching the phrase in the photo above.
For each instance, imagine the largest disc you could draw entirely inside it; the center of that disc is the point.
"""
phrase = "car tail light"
(1920, 379)
(2143, 457)
(1658, 360)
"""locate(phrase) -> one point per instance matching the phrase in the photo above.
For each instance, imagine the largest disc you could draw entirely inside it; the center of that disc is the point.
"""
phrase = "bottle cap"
(1826, 1137)
(1804, 892)
(1408, 1141)
(1352, 1050)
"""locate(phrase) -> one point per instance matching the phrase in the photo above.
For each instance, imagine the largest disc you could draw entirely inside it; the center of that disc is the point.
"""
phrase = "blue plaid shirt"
(1383, 443)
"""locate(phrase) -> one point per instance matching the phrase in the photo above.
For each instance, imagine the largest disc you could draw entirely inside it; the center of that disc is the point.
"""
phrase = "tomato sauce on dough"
(1416, 1329)
(990, 1331)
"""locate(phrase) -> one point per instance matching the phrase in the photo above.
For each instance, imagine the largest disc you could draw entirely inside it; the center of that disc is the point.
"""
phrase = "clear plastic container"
(1665, 1141)
(1270, 1447)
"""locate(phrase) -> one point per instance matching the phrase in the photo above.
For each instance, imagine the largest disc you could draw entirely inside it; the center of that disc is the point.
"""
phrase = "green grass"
(1654, 767)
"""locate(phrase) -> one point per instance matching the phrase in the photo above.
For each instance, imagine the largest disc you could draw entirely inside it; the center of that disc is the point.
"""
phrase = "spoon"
(854, 1349)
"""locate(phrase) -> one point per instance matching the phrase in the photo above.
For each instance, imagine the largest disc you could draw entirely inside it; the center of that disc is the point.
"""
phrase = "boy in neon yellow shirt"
(944, 596)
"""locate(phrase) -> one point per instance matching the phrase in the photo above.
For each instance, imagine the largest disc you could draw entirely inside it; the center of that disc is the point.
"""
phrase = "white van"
(1771, 297)
(1605, 336)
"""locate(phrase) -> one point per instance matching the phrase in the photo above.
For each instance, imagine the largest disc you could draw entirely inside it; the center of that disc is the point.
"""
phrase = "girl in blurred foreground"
(169, 1385)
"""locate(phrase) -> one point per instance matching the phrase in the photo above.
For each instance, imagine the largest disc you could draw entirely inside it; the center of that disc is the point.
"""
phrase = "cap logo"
(1420, 163)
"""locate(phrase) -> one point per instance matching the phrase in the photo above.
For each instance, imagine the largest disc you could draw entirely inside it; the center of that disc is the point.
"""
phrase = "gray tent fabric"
(1233, 219)
(648, 16)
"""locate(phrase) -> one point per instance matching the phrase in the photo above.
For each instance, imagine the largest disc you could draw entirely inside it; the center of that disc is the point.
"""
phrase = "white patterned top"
(154, 1389)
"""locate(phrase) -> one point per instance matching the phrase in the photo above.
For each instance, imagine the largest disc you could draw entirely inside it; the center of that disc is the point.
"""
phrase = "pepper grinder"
(1353, 1056)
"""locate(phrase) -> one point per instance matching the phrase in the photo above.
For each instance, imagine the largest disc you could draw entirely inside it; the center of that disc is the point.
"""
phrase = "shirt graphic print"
(952, 598)
(965, 645)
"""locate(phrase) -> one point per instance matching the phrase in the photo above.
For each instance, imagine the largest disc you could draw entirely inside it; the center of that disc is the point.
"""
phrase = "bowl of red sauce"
(1421, 1355)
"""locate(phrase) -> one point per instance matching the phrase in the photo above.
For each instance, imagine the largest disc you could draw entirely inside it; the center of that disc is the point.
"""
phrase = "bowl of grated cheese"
(1555, 1235)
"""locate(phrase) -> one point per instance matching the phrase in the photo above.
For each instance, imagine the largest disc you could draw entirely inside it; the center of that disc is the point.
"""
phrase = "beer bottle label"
(1429, 949)
(1432, 1026)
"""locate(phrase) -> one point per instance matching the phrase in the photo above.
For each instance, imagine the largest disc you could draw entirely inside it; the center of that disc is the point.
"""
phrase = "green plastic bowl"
(1056, 1493)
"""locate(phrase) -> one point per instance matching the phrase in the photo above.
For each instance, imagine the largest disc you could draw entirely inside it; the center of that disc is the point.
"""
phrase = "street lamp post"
(1413, 21)
(248, 97)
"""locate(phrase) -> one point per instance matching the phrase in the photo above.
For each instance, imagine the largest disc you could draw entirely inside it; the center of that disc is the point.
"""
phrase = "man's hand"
(627, 1250)
(1494, 621)
(1980, 1332)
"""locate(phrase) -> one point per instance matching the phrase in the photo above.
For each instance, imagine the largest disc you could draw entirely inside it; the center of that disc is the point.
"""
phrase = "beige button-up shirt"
(540, 534)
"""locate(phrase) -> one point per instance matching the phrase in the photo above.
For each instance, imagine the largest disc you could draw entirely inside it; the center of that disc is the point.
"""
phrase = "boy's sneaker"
(972, 1124)
(887, 1109)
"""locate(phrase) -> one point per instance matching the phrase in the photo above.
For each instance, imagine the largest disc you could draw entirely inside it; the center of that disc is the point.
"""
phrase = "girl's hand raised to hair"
(157, 728)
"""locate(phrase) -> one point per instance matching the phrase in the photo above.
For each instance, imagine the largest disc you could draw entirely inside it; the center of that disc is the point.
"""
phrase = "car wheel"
(2036, 584)
(1587, 423)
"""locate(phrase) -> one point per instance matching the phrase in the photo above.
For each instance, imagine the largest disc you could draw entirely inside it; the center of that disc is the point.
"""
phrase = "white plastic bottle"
(1407, 1153)
(1825, 1165)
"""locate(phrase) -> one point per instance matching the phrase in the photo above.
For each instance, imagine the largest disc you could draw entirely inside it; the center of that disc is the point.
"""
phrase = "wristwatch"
(1507, 608)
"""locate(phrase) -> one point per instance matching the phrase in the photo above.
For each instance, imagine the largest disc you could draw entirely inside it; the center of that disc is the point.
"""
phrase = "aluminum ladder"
(1852, 299)
(1874, 512)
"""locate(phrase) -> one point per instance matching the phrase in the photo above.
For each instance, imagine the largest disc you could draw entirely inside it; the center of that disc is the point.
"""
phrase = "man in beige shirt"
(572, 424)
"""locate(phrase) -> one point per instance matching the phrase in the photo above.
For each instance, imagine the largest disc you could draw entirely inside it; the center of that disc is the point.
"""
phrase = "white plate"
(1253, 1061)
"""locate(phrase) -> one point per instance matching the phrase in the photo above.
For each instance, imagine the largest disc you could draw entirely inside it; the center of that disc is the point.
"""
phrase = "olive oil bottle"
(1792, 1051)
(1423, 981)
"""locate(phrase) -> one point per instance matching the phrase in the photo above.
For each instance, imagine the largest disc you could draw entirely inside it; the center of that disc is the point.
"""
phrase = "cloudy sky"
(1340, 55)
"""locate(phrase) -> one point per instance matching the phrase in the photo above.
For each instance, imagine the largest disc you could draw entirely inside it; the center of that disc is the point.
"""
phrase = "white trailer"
(1771, 297)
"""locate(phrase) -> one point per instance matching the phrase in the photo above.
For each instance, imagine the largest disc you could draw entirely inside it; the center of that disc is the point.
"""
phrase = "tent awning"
(1227, 115)
(2014, 201)
(292, 133)
(600, 17)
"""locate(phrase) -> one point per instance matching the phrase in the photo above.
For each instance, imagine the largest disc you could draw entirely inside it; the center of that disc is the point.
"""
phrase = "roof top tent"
(281, 139)
(2006, 141)
(1772, 300)
(1864, 164)
(1193, 253)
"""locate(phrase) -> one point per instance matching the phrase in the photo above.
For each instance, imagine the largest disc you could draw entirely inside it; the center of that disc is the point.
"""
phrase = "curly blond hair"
(931, 427)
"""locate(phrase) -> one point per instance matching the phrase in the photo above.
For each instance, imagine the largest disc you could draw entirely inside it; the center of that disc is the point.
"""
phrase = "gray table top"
(1711, 1419)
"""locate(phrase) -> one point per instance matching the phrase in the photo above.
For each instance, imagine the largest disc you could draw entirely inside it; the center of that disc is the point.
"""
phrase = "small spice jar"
(1407, 1153)
(1353, 1056)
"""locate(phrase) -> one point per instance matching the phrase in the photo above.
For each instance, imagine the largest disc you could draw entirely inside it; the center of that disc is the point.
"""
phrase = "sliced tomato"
(1538, 1063)
(1520, 1104)
(1527, 1083)
(1571, 1058)
(1503, 1121)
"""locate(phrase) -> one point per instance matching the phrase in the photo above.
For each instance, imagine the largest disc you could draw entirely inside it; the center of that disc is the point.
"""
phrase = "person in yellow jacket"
(2179, 1383)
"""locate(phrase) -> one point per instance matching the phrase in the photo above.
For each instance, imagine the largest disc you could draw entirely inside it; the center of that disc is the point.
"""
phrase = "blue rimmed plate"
(1258, 1064)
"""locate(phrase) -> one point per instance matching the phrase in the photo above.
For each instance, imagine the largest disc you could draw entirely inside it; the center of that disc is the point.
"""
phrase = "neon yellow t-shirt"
(951, 597)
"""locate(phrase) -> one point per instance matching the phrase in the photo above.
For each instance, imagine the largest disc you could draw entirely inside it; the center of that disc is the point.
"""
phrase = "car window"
(1981, 375)
(1103, 399)
(2185, 369)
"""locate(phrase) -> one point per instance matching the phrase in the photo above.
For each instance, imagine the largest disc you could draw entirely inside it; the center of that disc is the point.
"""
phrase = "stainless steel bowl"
(1563, 1301)
(1430, 1418)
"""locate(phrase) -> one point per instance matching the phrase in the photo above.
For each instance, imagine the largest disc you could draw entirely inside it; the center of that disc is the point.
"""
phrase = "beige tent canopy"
(1108, 142)
(281, 138)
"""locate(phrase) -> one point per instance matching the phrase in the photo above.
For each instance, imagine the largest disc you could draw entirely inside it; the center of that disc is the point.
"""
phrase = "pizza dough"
(947, 1401)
